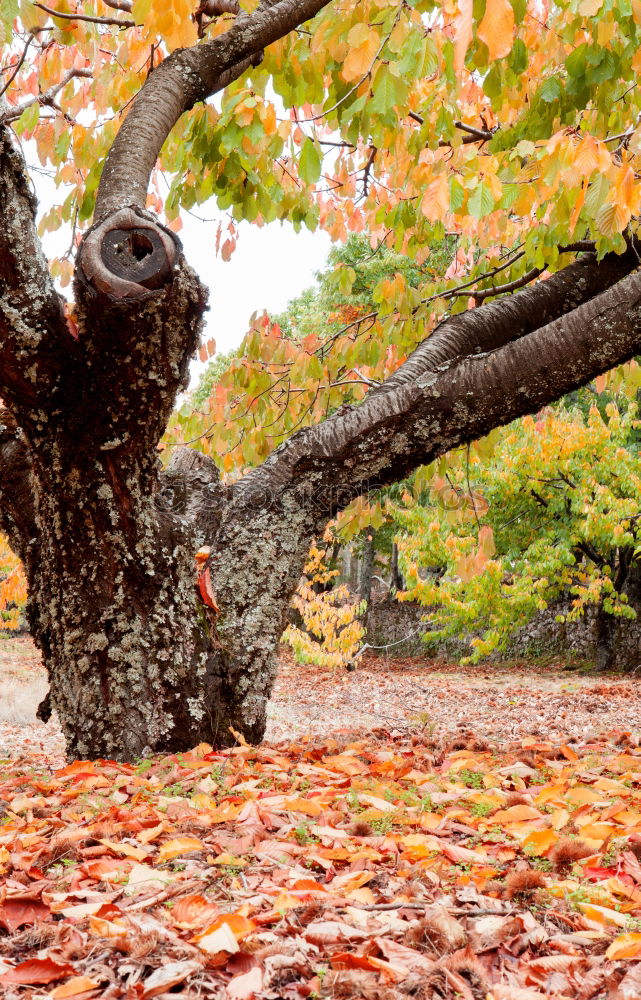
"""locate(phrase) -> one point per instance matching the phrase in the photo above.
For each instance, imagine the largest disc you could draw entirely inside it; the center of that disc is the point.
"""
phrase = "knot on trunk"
(128, 256)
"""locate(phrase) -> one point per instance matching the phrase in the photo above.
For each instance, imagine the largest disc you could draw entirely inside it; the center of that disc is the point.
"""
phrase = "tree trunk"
(397, 583)
(605, 629)
(366, 570)
(619, 639)
(137, 662)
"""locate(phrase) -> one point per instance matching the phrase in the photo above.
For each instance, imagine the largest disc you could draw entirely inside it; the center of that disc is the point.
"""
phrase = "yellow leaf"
(137, 853)
(625, 946)
(588, 8)
(603, 914)
(590, 155)
(181, 845)
(226, 859)
(364, 46)
(497, 27)
(612, 219)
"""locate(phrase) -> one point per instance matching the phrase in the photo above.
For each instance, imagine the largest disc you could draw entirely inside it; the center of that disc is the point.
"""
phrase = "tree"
(443, 118)
(553, 514)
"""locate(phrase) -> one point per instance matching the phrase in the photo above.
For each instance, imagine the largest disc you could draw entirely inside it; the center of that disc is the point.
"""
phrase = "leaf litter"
(405, 860)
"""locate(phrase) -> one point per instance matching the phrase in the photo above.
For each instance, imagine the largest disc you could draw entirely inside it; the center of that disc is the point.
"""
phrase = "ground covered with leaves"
(420, 857)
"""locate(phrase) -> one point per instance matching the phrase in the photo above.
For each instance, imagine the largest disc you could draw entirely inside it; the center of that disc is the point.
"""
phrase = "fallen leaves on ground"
(395, 865)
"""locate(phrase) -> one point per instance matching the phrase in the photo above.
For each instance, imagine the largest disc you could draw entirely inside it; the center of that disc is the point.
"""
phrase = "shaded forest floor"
(408, 830)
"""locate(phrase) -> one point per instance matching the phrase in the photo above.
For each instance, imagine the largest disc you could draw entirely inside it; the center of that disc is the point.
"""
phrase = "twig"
(368, 167)
(509, 286)
(365, 379)
(458, 911)
(47, 96)
(16, 69)
(472, 134)
(120, 22)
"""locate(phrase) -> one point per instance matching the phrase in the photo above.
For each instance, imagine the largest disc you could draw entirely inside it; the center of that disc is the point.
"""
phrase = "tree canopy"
(511, 127)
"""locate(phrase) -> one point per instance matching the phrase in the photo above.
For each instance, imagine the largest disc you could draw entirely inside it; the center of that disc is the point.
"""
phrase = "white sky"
(268, 268)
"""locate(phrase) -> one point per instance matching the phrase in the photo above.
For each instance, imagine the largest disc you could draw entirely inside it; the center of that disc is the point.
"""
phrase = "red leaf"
(15, 913)
(206, 589)
(36, 971)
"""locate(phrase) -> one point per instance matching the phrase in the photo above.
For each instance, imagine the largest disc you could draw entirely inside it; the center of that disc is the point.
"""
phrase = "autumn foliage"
(13, 588)
(553, 515)
(369, 867)
(332, 633)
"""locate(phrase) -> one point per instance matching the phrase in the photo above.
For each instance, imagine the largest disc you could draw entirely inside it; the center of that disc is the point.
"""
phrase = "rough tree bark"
(137, 663)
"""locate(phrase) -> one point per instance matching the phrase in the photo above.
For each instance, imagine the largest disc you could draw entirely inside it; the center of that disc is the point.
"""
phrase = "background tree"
(554, 514)
(444, 117)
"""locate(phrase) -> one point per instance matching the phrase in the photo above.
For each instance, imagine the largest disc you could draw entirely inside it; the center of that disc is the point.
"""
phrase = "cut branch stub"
(128, 256)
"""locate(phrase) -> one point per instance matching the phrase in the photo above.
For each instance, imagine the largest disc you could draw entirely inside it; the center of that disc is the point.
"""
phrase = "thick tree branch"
(471, 134)
(139, 309)
(496, 323)
(424, 411)
(191, 489)
(34, 340)
(183, 79)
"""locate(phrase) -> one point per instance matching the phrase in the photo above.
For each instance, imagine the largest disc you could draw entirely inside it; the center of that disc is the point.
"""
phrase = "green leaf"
(481, 201)
(389, 91)
(550, 90)
(28, 119)
(309, 165)
(518, 57)
(457, 193)
(8, 14)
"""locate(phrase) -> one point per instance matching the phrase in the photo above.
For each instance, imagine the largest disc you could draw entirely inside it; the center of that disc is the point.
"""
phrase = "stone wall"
(399, 623)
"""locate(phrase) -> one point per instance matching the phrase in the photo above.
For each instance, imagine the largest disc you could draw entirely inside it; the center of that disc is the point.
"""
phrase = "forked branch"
(184, 78)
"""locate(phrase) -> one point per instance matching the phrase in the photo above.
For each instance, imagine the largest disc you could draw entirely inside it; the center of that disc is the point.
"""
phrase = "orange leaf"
(193, 911)
(436, 199)
(625, 946)
(181, 845)
(225, 933)
(206, 589)
(79, 984)
(497, 27)
(364, 43)
(463, 33)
